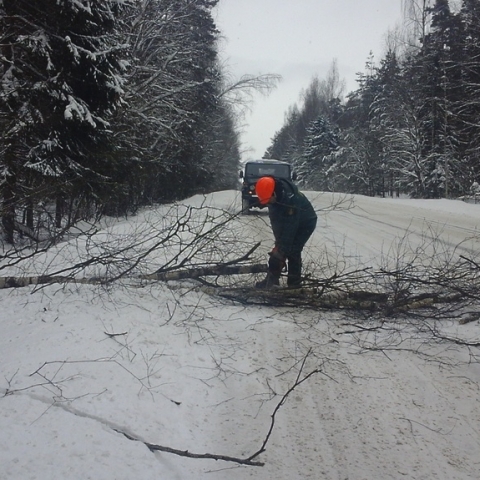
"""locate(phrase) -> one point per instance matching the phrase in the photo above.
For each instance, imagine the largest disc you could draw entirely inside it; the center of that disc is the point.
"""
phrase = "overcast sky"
(298, 39)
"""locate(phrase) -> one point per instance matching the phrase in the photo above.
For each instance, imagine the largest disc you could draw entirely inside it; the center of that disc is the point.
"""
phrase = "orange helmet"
(264, 189)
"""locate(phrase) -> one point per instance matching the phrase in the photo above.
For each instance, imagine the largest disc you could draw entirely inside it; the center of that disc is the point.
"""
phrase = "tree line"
(412, 126)
(109, 105)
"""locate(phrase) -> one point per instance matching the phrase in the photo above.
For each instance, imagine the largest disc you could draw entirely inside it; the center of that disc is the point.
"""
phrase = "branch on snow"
(185, 453)
(250, 461)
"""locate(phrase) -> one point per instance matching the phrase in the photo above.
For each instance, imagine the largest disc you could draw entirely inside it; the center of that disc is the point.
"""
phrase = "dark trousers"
(294, 255)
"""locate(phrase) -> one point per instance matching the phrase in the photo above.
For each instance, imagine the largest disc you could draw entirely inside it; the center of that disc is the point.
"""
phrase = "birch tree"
(172, 90)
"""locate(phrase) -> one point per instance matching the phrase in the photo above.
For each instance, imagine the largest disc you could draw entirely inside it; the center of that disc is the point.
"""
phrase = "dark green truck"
(255, 169)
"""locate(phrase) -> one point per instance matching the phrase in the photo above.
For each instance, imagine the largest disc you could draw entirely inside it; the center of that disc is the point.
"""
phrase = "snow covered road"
(193, 372)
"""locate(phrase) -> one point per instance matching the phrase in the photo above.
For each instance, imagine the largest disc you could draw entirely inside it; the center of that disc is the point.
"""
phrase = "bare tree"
(417, 18)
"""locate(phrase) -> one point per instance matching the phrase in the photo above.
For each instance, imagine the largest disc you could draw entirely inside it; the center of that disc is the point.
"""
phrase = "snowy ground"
(172, 366)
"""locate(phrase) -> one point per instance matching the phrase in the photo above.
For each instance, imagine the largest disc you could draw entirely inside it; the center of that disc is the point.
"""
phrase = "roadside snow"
(172, 366)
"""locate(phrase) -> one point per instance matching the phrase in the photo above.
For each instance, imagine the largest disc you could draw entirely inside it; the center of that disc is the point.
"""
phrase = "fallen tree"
(204, 244)
(232, 267)
(438, 292)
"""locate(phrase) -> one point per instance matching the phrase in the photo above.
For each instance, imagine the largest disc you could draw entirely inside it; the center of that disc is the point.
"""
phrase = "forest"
(411, 128)
(109, 106)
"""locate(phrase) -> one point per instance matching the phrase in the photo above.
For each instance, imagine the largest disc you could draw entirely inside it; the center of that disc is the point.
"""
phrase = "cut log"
(215, 270)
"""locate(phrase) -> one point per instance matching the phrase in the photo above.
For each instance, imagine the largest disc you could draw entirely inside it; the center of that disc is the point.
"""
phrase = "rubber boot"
(294, 278)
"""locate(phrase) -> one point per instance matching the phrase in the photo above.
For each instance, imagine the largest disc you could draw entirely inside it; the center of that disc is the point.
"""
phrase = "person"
(293, 220)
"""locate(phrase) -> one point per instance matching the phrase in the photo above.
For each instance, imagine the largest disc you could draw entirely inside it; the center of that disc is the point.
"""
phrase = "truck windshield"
(259, 170)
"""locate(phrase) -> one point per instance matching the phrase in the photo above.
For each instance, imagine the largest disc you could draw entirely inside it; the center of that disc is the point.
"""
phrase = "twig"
(226, 458)
(185, 453)
(298, 382)
(112, 335)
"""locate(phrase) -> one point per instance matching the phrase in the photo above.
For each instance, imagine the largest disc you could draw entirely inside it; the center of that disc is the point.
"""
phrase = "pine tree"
(398, 123)
(362, 156)
(468, 106)
(439, 66)
(61, 81)
(317, 169)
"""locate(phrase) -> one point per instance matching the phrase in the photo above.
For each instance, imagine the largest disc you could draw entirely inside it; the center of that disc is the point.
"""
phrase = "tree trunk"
(9, 197)
(29, 214)
(59, 207)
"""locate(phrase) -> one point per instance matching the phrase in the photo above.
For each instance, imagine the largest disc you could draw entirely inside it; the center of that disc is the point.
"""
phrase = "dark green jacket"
(292, 217)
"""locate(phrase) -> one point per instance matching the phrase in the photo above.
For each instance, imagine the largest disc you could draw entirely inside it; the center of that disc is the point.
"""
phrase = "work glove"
(276, 262)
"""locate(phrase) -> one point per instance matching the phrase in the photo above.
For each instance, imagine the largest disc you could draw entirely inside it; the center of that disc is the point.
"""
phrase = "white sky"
(298, 39)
